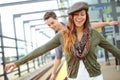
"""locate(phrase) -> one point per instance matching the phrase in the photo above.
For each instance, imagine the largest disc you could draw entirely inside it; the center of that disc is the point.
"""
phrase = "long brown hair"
(69, 34)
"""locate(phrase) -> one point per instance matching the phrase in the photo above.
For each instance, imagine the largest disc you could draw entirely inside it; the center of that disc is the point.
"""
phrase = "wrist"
(53, 73)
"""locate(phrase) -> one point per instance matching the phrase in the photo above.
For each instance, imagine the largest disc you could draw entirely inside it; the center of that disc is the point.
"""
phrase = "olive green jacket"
(90, 61)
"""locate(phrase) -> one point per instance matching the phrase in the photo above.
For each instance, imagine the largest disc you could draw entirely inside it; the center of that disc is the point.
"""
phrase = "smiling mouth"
(78, 21)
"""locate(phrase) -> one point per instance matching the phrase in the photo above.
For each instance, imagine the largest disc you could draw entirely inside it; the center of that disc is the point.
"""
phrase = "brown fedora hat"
(77, 7)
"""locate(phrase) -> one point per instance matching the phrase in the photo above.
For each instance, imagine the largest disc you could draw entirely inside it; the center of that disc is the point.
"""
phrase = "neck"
(79, 29)
(61, 27)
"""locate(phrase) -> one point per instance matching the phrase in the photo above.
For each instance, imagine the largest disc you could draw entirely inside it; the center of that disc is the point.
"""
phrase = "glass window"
(118, 9)
(34, 37)
(19, 28)
(7, 25)
(27, 32)
(21, 44)
(33, 34)
(29, 47)
(21, 52)
(35, 17)
(10, 54)
(9, 42)
(1, 58)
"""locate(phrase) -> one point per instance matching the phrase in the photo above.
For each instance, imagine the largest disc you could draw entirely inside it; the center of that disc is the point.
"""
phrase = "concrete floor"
(110, 71)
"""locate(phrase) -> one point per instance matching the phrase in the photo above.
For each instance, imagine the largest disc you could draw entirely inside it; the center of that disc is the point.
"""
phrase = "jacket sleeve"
(53, 43)
(108, 46)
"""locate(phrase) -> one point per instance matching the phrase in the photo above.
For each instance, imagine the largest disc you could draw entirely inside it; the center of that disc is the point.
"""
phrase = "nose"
(79, 16)
(52, 26)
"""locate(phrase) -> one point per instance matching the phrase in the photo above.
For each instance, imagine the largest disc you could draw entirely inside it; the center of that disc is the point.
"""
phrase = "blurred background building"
(23, 29)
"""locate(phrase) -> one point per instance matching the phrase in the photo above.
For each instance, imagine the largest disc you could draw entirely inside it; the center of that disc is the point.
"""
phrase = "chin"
(78, 25)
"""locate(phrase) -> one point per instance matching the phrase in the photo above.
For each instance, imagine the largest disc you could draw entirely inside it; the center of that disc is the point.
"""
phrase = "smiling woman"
(80, 33)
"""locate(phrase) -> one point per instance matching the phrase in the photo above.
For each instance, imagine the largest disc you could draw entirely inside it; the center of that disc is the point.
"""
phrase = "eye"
(52, 23)
(82, 14)
(48, 25)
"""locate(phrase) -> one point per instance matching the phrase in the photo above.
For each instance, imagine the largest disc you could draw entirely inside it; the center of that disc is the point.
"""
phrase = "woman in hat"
(79, 41)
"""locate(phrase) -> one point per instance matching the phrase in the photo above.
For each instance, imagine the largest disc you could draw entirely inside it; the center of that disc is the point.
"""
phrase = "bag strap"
(71, 67)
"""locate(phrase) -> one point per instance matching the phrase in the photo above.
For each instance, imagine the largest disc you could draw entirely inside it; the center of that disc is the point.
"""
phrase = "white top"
(84, 75)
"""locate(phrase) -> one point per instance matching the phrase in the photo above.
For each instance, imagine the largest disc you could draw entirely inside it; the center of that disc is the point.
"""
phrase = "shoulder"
(59, 34)
(95, 33)
(93, 30)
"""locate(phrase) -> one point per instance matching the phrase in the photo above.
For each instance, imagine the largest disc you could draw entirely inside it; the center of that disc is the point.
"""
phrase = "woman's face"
(79, 18)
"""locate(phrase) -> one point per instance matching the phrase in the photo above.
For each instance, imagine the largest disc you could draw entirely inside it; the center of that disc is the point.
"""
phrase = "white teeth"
(78, 21)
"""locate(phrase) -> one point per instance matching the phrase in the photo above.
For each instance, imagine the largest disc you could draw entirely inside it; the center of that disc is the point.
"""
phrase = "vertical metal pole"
(32, 46)
(3, 54)
(19, 73)
(26, 43)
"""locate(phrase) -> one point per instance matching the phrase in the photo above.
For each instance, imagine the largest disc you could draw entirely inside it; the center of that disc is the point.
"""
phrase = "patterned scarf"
(80, 49)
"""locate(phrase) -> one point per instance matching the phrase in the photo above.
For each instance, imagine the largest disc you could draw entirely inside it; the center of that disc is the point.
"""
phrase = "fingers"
(115, 23)
(10, 67)
(118, 24)
(7, 68)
